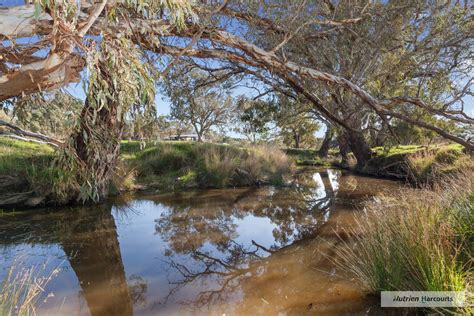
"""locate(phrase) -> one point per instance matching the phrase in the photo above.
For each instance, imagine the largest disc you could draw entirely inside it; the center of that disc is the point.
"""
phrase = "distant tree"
(254, 118)
(296, 125)
(174, 127)
(53, 114)
(196, 102)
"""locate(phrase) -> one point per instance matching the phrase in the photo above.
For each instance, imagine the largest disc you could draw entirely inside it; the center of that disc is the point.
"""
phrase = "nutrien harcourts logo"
(425, 299)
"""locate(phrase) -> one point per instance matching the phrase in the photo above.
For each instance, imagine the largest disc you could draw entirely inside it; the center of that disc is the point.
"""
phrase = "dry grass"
(22, 288)
(210, 165)
(417, 240)
(226, 166)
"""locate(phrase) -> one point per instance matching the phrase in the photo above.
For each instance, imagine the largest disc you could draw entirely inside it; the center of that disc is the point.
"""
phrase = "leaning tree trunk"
(351, 141)
(324, 149)
(97, 147)
(296, 137)
(359, 148)
(344, 149)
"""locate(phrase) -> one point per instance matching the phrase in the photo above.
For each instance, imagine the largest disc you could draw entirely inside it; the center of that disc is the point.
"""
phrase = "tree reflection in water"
(206, 233)
(88, 237)
(225, 249)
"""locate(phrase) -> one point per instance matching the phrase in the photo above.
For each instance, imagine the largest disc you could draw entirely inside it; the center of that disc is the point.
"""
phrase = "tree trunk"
(324, 149)
(359, 148)
(198, 132)
(297, 140)
(199, 135)
(97, 147)
(344, 150)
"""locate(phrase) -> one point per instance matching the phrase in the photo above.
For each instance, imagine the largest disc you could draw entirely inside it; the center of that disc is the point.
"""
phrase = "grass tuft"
(22, 288)
(417, 240)
(171, 164)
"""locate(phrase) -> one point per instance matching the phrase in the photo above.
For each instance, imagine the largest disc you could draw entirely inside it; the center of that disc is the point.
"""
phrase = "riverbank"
(416, 164)
(28, 177)
(176, 166)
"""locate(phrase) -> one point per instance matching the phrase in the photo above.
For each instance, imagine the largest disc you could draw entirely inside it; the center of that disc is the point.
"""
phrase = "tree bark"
(359, 147)
(297, 140)
(97, 146)
(324, 149)
(344, 150)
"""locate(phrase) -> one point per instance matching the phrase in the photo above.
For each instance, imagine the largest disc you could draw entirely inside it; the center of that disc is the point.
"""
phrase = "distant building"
(184, 137)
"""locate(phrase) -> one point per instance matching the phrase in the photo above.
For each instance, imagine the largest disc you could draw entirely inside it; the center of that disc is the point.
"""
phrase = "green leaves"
(178, 11)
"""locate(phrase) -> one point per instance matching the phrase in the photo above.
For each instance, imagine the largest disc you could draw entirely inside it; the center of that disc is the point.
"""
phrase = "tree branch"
(19, 133)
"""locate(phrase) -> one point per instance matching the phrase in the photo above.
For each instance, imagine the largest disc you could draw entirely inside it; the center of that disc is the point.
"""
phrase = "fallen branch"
(19, 133)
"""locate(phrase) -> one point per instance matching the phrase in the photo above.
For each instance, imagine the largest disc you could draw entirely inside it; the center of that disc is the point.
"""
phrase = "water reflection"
(236, 251)
(89, 241)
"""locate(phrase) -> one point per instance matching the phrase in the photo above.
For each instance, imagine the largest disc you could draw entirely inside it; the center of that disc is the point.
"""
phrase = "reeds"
(22, 288)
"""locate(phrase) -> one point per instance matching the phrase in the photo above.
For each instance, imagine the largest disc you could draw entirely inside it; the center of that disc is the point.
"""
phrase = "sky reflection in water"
(214, 251)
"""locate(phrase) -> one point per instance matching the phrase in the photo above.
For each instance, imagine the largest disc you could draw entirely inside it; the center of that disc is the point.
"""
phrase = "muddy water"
(243, 251)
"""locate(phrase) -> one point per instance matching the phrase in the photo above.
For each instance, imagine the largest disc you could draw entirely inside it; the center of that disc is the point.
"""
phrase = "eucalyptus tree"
(196, 101)
(296, 124)
(63, 38)
(404, 59)
(387, 59)
(254, 118)
(348, 50)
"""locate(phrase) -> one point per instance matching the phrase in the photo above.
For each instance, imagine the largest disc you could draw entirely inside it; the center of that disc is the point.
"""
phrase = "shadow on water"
(234, 251)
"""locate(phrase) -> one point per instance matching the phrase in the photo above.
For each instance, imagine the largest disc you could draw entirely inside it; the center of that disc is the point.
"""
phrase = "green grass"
(402, 149)
(307, 157)
(408, 149)
(19, 157)
(28, 161)
(415, 240)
